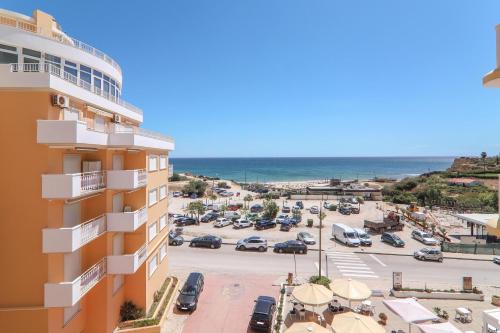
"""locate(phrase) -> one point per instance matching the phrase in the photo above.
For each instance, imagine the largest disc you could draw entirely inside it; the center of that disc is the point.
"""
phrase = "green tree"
(212, 197)
(247, 199)
(271, 209)
(196, 208)
(195, 186)
(222, 184)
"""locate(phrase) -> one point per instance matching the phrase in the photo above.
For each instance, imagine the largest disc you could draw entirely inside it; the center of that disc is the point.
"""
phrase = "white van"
(364, 238)
(345, 234)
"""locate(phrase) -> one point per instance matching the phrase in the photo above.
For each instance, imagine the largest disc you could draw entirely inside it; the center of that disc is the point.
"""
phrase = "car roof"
(264, 304)
(193, 277)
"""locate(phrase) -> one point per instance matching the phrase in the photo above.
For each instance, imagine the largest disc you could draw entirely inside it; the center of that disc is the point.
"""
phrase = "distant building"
(465, 182)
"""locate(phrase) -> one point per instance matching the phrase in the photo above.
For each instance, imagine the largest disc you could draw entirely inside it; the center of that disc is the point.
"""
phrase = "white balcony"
(127, 221)
(121, 135)
(63, 240)
(126, 179)
(127, 263)
(67, 186)
(65, 294)
(69, 132)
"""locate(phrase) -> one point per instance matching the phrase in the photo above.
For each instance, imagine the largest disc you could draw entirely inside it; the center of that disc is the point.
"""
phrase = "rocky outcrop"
(466, 164)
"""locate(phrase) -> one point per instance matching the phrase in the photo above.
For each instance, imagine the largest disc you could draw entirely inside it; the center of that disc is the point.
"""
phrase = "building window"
(163, 162)
(153, 264)
(53, 59)
(163, 251)
(152, 232)
(163, 222)
(153, 163)
(8, 54)
(85, 74)
(163, 192)
(153, 197)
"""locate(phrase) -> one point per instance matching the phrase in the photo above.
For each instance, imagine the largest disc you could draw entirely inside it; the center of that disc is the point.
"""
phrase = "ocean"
(283, 169)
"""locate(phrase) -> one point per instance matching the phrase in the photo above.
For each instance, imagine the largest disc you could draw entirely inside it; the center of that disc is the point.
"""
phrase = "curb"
(411, 255)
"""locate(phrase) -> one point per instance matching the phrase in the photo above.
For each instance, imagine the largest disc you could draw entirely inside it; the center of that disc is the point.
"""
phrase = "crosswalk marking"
(350, 265)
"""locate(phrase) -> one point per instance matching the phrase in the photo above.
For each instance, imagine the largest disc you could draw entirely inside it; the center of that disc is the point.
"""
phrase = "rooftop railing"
(30, 27)
(57, 71)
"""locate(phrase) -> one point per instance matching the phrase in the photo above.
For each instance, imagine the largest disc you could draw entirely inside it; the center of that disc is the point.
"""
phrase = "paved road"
(376, 270)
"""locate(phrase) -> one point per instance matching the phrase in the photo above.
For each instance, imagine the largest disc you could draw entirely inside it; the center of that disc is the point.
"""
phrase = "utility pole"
(320, 227)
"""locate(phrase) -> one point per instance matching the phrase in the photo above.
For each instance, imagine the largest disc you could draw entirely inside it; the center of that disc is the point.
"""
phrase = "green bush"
(130, 311)
(332, 208)
(323, 280)
(197, 187)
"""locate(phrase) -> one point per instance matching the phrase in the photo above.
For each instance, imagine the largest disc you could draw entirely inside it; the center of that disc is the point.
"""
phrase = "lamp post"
(320, 227)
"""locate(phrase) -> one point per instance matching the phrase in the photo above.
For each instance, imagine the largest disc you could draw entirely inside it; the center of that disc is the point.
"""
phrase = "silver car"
(424, 237)
(496, 260)
(429, 254)
(306, 237)
(252, 243)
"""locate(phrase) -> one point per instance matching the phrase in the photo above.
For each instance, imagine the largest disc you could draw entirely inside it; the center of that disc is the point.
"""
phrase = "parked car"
(177, 217)
(281, 218)
(232, 216)
(496, 260)
(222, 222)
(190, 292)
(291, 246)
(209, 217)
(286, 209)
(210, 241)
(429, 254)
(257, 208)
(186, 221)
(252, 243)
(364, 238)
(242, 223)
(326, 205)
(252, 216)
(345, 234)
(299, 204)
(233, 207)
(345, 210)
(306, 238)
(265, 224)
(354, 209)
(314, 210)
(424, 237)
(262, 315)
(285, 225)
(392, 239)
(294, 220)
(176, 194)
(174, 239)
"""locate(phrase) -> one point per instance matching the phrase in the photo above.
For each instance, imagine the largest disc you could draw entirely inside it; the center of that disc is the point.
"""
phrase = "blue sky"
(301, 78)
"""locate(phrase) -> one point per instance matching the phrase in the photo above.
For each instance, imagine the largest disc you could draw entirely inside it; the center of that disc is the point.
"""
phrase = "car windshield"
(306, 235)
(363, 236)
(189, 291)
(350, 235)
(426, 235)
(395, 237)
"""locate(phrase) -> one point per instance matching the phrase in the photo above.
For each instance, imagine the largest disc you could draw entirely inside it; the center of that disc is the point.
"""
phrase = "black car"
(392, 239)
(257, 208)
(286, 225)
(190, 292)
(210, 241)
(174, 239)
(299, 204)
(262, 316)
(185, 221)
(291, 246)
(209, 217)
(265, 224)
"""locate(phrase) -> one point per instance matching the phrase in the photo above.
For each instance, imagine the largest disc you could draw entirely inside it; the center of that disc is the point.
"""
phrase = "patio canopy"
(439, 328)
(492, 317)
(312, 294)
(307, 327)
(350, 289)
(351, 322)
(410, 310)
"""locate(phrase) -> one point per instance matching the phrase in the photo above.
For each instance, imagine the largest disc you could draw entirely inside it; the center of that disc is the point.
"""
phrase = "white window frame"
(163, 222)
(152, 231)
(163, 192)
(152, 167)
(163, 251)
(153, 202)
(152, 267)
(163, 162)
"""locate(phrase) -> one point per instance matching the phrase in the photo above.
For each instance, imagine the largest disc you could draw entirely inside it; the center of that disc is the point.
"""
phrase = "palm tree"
(247, 199)
(213, 197)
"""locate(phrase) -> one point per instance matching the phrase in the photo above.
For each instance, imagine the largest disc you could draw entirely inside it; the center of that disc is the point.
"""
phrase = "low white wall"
(438, 295)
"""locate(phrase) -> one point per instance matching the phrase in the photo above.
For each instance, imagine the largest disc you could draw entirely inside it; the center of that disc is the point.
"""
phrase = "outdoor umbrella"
(351, 322)
(493, 226)
(350, 289)
(410, 310)
(439, 328)
(307, 327)
(312, 294)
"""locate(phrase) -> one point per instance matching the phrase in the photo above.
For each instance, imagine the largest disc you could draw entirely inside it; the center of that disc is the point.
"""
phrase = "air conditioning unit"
(60, 101)
(117, 118)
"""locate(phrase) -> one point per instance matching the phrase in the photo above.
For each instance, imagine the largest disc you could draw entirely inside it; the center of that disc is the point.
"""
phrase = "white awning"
(439, 328)
(410, 310)
(480, 219)
(99, 111)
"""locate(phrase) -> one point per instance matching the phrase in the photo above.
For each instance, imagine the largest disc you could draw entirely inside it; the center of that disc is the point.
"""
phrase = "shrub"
(177, 178)
(361, 200)
(310, 223)
(383, 318)
(332, 208)
(222, 184)
(130, 311)
(271, 209)
(197, 187)
(323, 280)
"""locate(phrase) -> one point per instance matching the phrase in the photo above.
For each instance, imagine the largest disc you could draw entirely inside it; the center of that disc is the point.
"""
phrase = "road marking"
(317, 269)
(360, 275)
(354, 267)
(350, 264)
(378, 260)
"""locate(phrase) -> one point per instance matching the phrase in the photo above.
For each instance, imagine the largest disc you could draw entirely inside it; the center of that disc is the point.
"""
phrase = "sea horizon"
(283, 169)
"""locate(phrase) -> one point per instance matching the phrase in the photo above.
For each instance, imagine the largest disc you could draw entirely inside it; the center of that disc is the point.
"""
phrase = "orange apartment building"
(83, 222)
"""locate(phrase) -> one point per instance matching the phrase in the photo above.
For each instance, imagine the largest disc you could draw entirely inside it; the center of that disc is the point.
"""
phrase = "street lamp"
(320, 227)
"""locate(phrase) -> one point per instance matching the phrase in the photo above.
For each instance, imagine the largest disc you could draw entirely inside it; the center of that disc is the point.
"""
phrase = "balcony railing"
(122, 128)
(57, 71)
(126, 179)
(30, 27)
(142, 177)
(63, 240)
(65, 294)
(127, 263)
(93, 181)
(126, 221)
